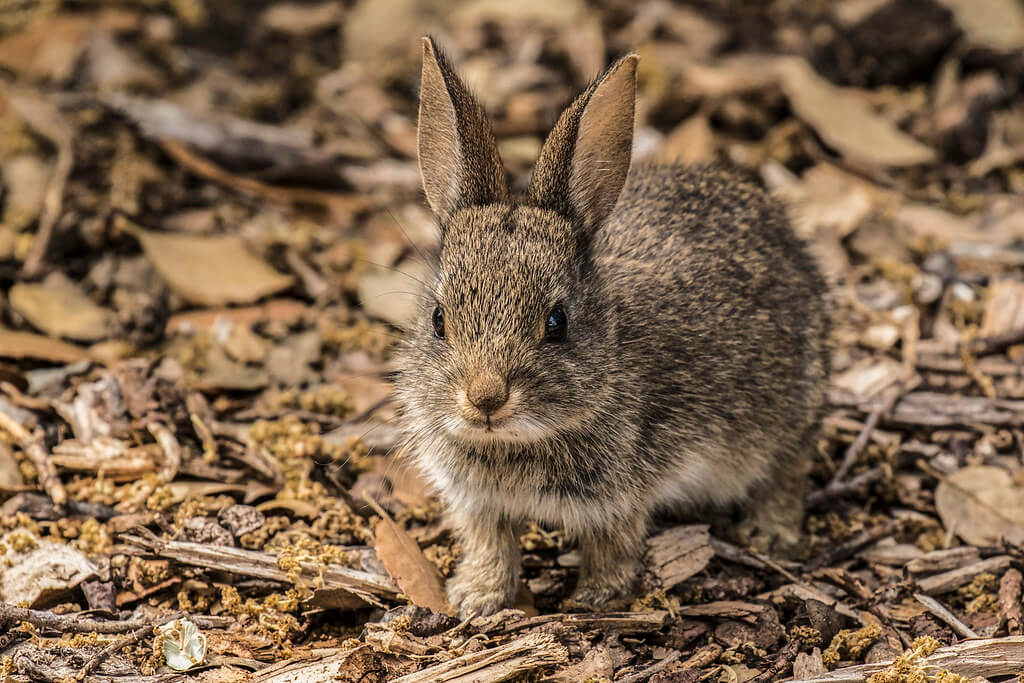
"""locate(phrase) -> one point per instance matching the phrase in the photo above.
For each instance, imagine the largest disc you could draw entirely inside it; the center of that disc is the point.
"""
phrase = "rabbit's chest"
(526, 493)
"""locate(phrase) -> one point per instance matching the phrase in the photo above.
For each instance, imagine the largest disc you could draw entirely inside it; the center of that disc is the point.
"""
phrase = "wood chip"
(495, 664)
(951, 580)
(987, 659)
(675, 555)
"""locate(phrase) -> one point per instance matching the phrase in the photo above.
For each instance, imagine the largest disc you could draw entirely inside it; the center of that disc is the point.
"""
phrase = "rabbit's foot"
(475, 593)
(772, 525)
(590, 596)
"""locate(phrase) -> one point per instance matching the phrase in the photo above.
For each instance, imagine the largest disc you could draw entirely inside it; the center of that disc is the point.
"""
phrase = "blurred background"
(211, 218)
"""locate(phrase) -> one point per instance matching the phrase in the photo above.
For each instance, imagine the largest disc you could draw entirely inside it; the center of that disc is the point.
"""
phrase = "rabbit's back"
(719, 321)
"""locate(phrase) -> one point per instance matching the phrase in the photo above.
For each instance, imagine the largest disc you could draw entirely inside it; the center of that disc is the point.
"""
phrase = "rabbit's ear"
(585, 159)
(458, 156)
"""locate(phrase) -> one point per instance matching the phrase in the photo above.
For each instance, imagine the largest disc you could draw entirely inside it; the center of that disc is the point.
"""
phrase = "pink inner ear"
(604, 144)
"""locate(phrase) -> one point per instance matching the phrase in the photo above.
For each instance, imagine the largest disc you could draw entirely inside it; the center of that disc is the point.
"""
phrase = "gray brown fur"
(692, 377)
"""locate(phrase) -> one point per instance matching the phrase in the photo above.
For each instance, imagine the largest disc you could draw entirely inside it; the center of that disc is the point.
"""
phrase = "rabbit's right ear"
(458, 155)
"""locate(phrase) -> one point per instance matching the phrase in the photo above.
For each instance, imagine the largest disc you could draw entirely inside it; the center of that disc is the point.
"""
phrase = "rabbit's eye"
(438, 320)
(555, 327)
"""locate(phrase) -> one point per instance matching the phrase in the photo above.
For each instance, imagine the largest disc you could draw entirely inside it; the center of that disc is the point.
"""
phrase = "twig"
(649, 671)
(45, 118)
(364, 585)
(847, 548)
(72, 623)
(940, 611)
(853, 451)
(981, 346)
(32, 445)
(846, 488)
(115, 646)
(951, 580)
(1009, 601)
(498, 663)
(781, 663)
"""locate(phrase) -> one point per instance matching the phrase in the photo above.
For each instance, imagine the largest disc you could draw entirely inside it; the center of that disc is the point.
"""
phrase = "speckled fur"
(692, 377)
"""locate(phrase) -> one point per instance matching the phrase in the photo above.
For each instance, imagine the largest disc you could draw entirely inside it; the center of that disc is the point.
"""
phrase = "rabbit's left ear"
(584, 162)
(458, 155)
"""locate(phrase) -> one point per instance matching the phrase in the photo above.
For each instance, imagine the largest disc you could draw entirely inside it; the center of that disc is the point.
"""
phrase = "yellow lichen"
(850, 644)
(910, 667)
(808, 634)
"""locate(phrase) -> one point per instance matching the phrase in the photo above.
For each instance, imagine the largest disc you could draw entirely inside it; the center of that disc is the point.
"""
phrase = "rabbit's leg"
(611, 561)
(774, 518)
(486, 578)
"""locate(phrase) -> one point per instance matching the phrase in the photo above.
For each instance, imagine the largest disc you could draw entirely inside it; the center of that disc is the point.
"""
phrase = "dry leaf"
(845, 119)
(211, 271)
(390, 294)
(287, 311)
(58, 308)
(50, 47)
(404, 560)
(691, 142)
(997, 24)
(25, 177)
(980, 504)
(27, 345)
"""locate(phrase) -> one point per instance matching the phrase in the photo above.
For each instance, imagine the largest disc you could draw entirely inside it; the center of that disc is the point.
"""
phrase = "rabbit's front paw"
(595, 592)
(475, 595)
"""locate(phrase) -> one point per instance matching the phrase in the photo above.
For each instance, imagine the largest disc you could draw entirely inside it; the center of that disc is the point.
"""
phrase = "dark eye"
(438, 320)
(555, 327)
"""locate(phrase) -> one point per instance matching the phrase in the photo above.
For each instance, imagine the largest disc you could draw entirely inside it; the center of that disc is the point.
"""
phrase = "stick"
(649, 671)
(951, 580)
(32, 445)
(781, 663)
(71, 623)
(1009, 601)
(115, 646)
(847, 548)
(45, 118)
(940, 611)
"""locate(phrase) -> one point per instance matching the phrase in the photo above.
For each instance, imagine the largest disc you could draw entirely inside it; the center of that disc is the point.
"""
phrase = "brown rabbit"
(604, 346)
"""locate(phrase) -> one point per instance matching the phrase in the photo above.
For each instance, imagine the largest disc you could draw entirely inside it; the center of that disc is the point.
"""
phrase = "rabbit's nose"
(488, 393)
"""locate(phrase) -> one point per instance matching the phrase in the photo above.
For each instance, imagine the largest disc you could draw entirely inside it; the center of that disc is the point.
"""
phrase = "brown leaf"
(211, 271)
(58, 308)
(404, 560)
(287, 311)
(50, 47)
(996, 24)
(27, 345)
(980, 504)
(845, 119)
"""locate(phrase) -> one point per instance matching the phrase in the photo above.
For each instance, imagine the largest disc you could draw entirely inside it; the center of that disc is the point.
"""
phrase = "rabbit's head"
(510, 340)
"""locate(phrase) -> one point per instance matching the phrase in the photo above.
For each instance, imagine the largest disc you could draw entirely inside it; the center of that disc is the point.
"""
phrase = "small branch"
(939, 611)
(845, 488)
(951, 580)
(72, 623)
(32, 445)
(45, 118)
(645, 673)
(997, 342)
(113, 647)
(847, 548)
(781, 663)
(1009, 601)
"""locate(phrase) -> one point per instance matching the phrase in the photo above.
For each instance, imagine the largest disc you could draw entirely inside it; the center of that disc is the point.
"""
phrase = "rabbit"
(605, 347)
